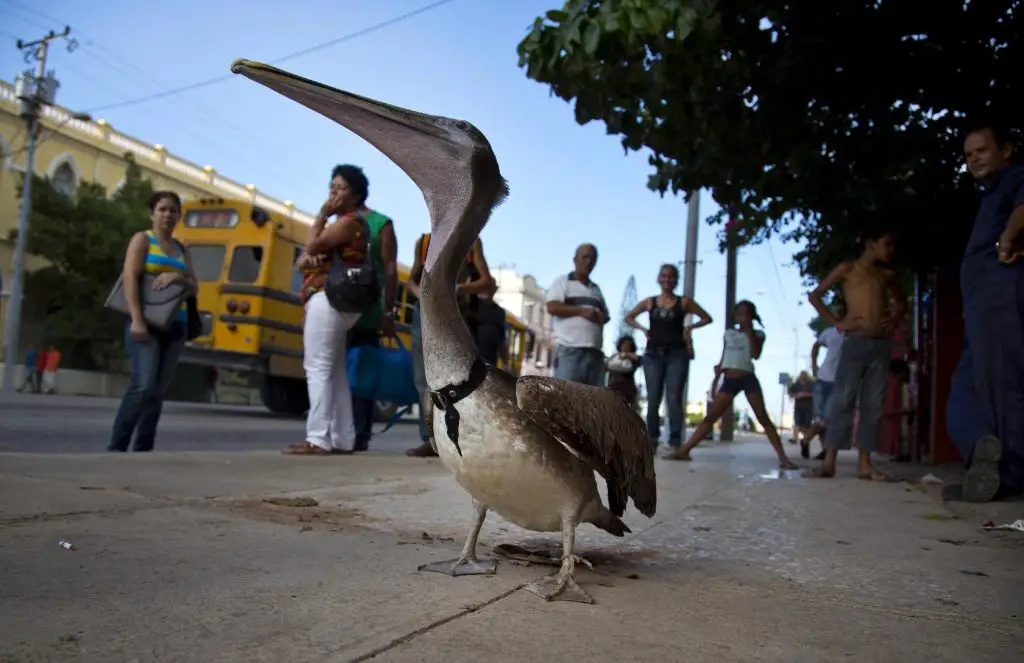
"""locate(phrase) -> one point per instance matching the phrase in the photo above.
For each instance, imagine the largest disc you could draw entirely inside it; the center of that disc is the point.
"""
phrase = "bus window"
(296, 274)
(245, 264)
(207, 260)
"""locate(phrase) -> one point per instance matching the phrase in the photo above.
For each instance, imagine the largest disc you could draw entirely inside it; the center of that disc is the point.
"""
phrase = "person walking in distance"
(31, 380)
(825, 375)
(49, 381)
(802, 393)
(667, 355)
(474, 278)
(742, 345)
(863, 367)
(985, 411)
(580, 314)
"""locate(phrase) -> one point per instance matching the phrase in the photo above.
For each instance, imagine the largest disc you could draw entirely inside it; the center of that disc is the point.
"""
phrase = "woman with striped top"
(330, 424)
(154, 353)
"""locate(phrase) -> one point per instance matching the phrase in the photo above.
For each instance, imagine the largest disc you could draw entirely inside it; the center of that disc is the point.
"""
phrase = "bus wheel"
(384, 411)
(284, 395)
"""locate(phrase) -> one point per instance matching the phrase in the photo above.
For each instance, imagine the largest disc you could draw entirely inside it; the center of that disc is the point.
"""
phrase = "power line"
(291, 56)
(121, 65)
(196, 109)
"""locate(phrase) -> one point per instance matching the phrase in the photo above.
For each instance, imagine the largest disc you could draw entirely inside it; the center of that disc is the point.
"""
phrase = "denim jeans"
(363, 409)
(418, 375)
(861, 377)
(583, 365)
(665, 373)
(152, 363)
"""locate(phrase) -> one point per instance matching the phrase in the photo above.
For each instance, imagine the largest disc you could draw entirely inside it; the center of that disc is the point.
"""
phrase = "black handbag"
(195, 323)
(353, 288)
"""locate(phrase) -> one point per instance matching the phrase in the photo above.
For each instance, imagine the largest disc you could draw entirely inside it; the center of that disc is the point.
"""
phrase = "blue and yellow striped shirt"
(158, 262)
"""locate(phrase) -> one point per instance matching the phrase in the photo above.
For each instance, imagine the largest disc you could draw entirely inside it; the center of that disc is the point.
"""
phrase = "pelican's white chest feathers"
(529, 485)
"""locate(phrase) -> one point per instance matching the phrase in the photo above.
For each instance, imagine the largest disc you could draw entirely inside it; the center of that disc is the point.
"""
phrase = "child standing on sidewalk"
(863, 369)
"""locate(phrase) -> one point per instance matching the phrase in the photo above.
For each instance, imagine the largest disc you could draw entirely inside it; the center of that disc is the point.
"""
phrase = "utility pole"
(33, 89)
(730, 304)
(690, 266)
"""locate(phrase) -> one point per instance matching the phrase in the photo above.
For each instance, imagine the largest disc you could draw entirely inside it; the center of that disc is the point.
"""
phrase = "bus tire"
(284, 395)
(383, 411)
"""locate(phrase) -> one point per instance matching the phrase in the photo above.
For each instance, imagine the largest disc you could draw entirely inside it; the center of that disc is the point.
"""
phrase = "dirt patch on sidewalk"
(305, 513)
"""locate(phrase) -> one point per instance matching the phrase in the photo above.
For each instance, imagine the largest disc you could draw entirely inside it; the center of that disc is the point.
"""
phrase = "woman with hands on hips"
(153, 352)
(669, 350)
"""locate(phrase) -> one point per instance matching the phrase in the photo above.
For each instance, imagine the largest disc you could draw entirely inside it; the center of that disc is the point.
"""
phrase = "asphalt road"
(32, 423)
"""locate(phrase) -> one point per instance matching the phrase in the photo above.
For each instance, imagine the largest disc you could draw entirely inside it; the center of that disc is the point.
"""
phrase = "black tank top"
(666, 326)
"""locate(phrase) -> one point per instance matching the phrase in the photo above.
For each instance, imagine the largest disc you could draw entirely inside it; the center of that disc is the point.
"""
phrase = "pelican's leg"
(467, 564)
(562, 585)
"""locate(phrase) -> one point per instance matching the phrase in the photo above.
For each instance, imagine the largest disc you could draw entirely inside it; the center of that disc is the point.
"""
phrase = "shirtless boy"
(867, 284)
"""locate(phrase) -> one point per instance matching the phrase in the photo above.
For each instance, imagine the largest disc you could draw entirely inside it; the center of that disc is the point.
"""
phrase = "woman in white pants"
(330, 426)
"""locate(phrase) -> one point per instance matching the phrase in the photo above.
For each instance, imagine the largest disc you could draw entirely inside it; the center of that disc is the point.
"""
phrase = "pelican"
(528, 448)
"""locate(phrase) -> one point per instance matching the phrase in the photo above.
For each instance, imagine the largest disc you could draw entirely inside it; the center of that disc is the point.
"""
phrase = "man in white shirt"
(832, 340)
(580, 314)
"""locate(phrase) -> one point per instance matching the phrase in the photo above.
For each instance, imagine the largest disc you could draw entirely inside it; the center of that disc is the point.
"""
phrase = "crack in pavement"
(412, 635)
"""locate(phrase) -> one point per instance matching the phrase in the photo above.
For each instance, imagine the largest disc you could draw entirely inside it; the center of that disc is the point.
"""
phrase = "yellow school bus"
(244, 259)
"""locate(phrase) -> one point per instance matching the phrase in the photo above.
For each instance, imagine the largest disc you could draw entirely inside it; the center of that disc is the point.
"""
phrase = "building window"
(64, 180)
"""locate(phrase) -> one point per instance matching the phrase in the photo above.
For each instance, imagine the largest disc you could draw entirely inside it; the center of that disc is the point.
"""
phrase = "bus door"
(240, 303)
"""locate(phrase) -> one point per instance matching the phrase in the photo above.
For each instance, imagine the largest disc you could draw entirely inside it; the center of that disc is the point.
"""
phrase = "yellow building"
(71, 151)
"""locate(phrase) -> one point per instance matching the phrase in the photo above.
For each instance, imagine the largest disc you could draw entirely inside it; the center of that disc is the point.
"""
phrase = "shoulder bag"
(353, 288)
(158, 306)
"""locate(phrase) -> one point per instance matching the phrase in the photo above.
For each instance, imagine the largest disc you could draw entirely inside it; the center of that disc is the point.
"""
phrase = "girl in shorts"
(743, 344)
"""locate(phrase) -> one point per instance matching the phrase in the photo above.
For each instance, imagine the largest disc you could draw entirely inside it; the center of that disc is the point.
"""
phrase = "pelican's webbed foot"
(467, 563)
(463, 566)
(562, 585)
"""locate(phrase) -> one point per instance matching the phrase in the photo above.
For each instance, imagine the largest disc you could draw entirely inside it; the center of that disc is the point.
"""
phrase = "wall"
(71, 151)
(521, 296)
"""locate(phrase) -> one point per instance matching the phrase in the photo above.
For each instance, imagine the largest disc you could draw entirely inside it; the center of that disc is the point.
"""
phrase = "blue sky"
(569, 183)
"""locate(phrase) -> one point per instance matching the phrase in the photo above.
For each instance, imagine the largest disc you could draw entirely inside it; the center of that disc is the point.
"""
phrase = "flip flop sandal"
(305, 449)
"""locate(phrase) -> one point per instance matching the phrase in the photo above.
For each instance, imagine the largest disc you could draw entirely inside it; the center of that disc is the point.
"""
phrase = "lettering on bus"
(211, 218)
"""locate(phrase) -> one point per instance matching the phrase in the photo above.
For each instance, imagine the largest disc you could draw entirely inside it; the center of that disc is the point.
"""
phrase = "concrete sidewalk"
(178, 558)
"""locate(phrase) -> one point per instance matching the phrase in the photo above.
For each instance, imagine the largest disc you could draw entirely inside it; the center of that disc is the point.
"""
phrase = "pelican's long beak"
(436, 152)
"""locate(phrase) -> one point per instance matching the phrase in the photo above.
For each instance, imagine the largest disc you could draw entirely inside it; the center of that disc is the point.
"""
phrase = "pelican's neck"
(448, 347)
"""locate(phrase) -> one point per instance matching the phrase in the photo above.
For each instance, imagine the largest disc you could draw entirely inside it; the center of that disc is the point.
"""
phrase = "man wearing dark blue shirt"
(985, 412)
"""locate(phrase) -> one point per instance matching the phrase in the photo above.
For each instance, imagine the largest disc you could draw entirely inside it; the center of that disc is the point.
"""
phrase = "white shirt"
(737, 353)
(832, 340)
(577, 332)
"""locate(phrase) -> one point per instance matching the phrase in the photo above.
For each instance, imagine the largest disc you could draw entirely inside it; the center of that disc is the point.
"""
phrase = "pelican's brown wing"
(601, 428)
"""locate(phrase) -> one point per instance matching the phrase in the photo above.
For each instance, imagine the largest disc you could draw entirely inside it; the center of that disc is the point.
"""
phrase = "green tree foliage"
(810, 118)
(84, 238)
